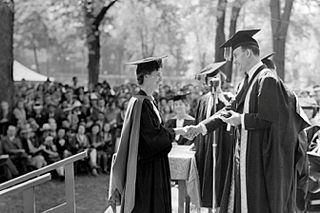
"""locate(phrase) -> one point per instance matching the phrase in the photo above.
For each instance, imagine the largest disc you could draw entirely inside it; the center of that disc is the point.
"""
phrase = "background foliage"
(50, 36)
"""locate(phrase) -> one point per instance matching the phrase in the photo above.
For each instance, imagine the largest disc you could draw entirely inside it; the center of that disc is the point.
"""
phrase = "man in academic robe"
(213, 78)
(140, 171)
(266, 124)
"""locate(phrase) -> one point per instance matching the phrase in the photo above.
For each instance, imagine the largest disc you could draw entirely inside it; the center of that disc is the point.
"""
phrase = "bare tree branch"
(103, 12)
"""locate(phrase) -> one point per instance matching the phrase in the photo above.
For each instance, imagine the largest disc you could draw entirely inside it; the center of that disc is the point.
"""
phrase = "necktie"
(246, 81)
(243, 89)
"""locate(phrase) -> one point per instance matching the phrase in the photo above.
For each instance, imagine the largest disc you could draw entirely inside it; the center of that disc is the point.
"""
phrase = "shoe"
(94, 172)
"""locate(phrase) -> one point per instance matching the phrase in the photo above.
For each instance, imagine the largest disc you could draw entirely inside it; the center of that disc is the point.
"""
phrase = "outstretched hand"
(192, 132)
(232, 118)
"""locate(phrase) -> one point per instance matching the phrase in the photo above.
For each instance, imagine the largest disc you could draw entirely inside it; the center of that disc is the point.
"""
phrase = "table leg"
(181, 195)
(187, 203)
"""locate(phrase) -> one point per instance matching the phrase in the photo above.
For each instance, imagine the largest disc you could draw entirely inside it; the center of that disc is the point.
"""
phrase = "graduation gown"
(172, 123)
(141, 170)
(204, 154)
(268, 148)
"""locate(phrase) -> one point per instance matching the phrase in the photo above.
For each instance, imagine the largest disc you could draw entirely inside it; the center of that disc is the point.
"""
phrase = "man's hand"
(192, 132)
(234, 119)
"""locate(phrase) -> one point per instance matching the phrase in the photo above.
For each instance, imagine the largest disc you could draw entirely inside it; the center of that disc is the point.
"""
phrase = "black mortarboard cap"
(147, 65)
(211, 70)
(242, 37)
(267, 61)
(180, 96)
(267, 56)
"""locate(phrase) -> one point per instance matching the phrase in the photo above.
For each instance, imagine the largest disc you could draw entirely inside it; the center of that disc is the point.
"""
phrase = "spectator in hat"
(181, 118)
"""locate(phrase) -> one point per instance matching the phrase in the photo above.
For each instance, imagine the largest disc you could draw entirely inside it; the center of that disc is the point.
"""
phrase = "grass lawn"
(90, 192)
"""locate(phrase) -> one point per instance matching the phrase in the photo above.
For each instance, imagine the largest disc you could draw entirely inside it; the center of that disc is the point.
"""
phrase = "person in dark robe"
(213, 79)
(266, 123)
(140, 171)
(7, 169)
(182, 118)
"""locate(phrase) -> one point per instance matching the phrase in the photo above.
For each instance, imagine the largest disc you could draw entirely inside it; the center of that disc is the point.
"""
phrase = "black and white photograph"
(159, 106)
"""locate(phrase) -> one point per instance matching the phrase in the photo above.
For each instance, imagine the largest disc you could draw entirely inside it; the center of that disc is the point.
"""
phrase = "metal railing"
(27, 182)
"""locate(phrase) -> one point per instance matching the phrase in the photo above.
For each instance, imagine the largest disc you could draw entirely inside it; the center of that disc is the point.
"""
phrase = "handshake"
(189, 132)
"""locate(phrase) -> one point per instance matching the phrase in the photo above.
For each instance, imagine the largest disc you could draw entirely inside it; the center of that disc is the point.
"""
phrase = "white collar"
(253, 69)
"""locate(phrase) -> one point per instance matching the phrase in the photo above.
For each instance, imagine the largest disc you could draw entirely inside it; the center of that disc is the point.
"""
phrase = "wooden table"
(183, 170)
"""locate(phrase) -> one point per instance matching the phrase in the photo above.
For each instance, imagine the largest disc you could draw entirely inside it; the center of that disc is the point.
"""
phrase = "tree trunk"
(280, 23)
(93, 42)
(93, 38)
(220, 35)
(6, 53)
(279, 47)
(236, 7)
(94, 57)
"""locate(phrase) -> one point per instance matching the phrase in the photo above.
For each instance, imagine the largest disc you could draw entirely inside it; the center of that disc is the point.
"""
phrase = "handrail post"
(69, 187)
(29, 204)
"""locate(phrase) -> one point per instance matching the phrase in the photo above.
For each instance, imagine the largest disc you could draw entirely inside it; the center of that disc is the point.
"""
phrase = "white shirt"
(156, 109)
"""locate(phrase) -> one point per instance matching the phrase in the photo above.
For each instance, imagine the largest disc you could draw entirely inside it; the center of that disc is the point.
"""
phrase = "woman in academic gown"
(141, 169)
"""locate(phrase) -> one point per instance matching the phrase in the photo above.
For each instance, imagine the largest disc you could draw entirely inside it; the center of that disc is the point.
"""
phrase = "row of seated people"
(26, 150)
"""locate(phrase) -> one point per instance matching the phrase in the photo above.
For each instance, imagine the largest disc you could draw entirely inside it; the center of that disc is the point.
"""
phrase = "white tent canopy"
(22, 72)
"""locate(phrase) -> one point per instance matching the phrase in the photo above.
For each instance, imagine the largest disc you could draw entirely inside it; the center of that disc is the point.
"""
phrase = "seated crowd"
(52, 121)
